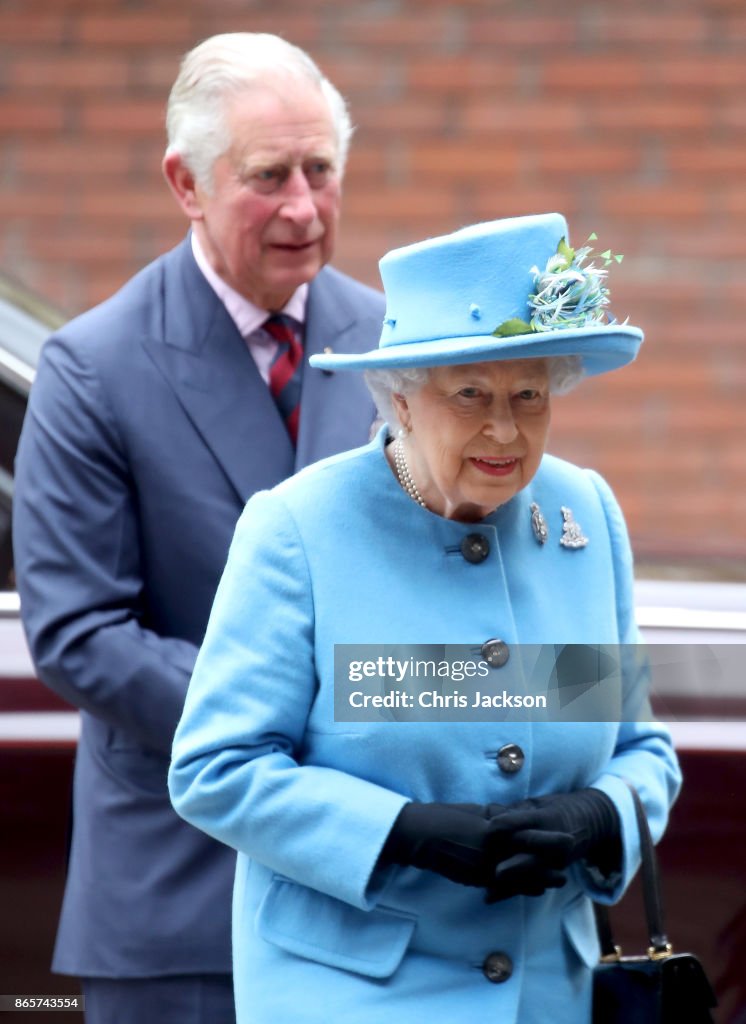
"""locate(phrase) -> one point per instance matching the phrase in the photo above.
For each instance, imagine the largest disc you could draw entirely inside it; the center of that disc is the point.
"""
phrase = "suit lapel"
(336, 409)
(205, 360)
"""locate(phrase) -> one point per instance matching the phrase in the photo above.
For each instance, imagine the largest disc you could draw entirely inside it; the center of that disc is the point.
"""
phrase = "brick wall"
(629, 118)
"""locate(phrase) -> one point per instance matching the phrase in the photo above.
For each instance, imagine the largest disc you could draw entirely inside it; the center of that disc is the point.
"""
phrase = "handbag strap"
(659, 946)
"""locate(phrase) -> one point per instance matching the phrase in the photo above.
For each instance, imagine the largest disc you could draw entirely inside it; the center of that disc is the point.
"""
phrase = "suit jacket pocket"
(579, 926)
(321, 928)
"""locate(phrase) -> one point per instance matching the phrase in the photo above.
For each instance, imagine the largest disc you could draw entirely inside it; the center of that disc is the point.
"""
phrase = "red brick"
(731, 115)
(401, 204)
(692, 335)
(700, 74)
(363, 245)
(461, 74)
(710, 242)
(403, 31)
(357, 74)
(714, 416)
(458, 162)
(76, 73)
(583, 160)
(734, 28)
(98, 285)
(519, 117)
(89, 249)
(517, 201)
(123, 117)
(300, 28)
(21, 29)
(715, 160)
(406, 117)
(32, 207)
(153, 72)
(659, 117)
(30, 117)
(125, 206)
(60, 161)
(367, 164)
(660, 30)
(655, 204)
(135, 29)
(585, 74)
(510, 31)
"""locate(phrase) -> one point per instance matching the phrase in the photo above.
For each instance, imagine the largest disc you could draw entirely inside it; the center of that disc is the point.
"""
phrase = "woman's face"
(477, 434)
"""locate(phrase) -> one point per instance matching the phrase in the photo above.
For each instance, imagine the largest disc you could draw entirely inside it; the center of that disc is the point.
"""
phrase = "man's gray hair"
(564, 373)
(222, 66)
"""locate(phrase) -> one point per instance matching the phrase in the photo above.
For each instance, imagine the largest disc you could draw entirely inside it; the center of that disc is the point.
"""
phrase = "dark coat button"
(497, 968)
(495, 653)
(510, 758)
(475, 548)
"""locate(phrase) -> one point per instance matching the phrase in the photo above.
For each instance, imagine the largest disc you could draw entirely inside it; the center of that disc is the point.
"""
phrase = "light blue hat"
(505, 289)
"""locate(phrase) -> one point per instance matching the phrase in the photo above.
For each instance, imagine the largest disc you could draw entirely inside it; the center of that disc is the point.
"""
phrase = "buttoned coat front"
(341, 555)
(148, 429)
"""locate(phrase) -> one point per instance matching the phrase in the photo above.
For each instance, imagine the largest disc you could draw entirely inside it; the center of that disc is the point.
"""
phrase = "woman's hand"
(459, 842)
(563, 828)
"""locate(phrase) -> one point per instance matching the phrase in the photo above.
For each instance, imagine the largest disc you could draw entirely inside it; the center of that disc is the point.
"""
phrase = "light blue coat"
(340, 554)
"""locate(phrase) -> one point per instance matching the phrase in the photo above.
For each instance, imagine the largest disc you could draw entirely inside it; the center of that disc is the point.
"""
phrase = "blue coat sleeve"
(78, 563)
(235, 771)
(643, 754)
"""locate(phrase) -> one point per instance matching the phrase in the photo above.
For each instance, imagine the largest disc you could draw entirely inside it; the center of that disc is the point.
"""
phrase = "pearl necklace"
(405, 477)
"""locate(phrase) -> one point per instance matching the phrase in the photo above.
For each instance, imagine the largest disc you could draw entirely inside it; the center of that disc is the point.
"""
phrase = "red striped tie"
(286, 371)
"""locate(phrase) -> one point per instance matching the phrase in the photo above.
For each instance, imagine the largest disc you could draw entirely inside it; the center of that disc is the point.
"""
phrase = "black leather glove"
(563, 828)
(524, 874)
(450, 839)
(459, 842)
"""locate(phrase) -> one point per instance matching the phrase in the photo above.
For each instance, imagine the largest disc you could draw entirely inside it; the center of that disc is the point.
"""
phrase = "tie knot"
(282, 328)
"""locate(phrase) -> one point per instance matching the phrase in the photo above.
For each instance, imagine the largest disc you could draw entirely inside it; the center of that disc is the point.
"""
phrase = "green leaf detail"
(564, 250)
(592, 237)
(619, 258)
(510, 328)
(606, 255)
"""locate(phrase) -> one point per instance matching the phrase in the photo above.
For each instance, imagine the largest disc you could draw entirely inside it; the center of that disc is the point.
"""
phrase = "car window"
(25, 322)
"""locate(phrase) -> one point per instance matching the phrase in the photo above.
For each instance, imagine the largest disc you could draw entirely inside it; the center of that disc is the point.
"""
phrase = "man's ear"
(182, 184)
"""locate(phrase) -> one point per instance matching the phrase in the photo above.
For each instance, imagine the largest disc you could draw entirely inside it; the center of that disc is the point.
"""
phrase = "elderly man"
(153, 419)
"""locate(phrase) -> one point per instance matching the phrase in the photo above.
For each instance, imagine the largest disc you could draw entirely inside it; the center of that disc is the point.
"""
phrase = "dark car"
(37, 731)
(696, 632)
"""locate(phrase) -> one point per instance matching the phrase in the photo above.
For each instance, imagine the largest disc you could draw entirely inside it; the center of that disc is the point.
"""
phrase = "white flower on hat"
(568, 294)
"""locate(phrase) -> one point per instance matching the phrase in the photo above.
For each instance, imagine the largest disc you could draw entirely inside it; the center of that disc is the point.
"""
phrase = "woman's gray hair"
(222, 66)
(564, 373)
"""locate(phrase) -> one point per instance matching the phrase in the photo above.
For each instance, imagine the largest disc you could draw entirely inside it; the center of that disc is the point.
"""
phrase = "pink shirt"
(247, 317)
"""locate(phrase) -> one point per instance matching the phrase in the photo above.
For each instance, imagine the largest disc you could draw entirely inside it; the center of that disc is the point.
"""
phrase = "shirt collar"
(247, 317)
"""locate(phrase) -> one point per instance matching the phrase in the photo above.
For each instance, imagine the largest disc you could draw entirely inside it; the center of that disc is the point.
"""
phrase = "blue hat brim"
(600, 350)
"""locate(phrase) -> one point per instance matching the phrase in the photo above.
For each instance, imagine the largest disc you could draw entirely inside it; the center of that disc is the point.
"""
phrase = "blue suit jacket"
(148, 429)
(341, 555)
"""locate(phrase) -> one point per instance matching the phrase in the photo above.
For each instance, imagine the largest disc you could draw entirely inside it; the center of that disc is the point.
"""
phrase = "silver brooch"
(539, 524)
(572, 534)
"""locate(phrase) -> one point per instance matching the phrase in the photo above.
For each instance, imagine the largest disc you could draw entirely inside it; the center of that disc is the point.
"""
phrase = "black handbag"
(660, 986)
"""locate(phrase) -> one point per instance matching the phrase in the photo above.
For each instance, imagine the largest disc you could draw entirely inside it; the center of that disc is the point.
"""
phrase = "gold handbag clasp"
(660, 954)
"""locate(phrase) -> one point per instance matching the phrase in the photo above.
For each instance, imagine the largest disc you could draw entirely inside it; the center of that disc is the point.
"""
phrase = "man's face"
(269, 222)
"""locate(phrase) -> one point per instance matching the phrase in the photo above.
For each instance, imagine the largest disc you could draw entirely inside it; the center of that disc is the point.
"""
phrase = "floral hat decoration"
(505, 289)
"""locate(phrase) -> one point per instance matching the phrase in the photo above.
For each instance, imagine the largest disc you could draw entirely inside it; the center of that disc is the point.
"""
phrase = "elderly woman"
(428, 870)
